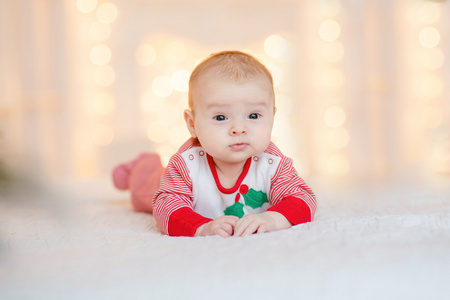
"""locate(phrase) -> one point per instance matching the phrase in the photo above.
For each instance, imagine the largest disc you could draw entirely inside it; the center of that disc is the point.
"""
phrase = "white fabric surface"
(84, 242)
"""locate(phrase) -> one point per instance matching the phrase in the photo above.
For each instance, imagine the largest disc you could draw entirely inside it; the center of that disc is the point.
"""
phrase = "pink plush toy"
(141, 176)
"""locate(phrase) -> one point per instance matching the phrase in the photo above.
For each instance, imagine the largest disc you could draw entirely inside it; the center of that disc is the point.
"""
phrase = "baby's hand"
(223, 226)
(260, 223)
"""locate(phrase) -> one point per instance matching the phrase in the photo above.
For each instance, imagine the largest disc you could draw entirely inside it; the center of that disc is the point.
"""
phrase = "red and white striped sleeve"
(289, 194)
(173, 202)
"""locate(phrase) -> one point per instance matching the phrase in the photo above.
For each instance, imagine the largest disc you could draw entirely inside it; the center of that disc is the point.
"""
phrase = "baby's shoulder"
(284, 162)
(189, 144)
(272, 149)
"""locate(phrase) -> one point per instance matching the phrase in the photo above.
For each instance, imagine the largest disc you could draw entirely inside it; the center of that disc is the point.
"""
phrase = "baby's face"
(232, 120)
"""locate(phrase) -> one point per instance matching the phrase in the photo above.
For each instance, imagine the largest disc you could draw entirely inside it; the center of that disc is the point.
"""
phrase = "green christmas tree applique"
(236, 209)
(255, 199)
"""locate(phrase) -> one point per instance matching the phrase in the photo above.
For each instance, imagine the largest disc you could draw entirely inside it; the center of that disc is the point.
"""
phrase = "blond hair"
(233, 65)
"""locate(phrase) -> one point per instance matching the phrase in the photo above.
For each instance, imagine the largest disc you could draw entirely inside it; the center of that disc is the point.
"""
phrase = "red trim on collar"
(238, 183)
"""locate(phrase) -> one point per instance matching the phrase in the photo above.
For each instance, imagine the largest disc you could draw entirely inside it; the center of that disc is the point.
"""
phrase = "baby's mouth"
(239, 146)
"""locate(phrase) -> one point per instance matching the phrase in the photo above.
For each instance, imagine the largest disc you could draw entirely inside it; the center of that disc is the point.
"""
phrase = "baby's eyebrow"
(259, 103)
(217, 105)
(224, 105)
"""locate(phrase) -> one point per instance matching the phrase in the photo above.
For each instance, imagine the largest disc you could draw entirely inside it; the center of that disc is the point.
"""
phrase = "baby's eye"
(253, 116)
(220, 118)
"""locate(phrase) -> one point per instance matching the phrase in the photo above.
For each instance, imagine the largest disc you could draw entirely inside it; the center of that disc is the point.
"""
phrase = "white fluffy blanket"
(84, 242)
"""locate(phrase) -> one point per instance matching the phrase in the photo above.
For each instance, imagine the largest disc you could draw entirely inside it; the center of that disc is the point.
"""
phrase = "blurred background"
(362, 86)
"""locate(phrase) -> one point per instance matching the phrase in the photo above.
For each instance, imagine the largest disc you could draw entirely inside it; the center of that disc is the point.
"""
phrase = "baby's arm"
(223, 226)
(260, 223)
(173, 202)
(293, 203)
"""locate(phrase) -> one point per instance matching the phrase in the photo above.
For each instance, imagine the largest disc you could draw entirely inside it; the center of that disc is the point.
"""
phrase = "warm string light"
(145, 55)
(330, 80)
(100, 103)
(277, 57)
(163, 66)
(86, 6)
(100, 55)
(275, 46)
(104, 75)
(431, 86)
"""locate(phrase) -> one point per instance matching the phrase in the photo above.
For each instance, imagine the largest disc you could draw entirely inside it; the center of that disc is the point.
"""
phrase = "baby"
(228, 179)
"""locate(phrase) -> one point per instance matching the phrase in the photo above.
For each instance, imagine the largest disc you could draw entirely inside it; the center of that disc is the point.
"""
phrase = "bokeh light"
(333, 52)
(157, 133)
(337, 165)
(428, 12)
(329, 8)
(178, 134)
(432, 117)
(329, 30)
(86, 6)
(151, 104)
(180, 80)
(331, 79)
(106, 13)
(168, 116)
(442, 151)
(283, 104)
(338, 138)
(429, 37)
(104, 76)
(103, 103)
(282, 128)
(99, 32)
(100, 54)
(440, 133)
(275, 46)
(162, 86)
(175, 52)
(102, 135)
(145, 54)
(277, 74)
(431, 86)
(433, 58)
(334, 116)
(166, 151)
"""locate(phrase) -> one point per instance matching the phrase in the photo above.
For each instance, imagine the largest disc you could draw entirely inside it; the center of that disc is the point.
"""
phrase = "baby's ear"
(189, 119)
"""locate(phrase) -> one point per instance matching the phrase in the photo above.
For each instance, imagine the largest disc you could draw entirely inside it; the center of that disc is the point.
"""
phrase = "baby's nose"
(236, 130)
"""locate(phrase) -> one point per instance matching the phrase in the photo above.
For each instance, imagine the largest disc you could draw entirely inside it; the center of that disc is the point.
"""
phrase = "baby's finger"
(247, 228)
(251, 229)
(221, 232)
(228, 228)
(262, 229)
(240, 227)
